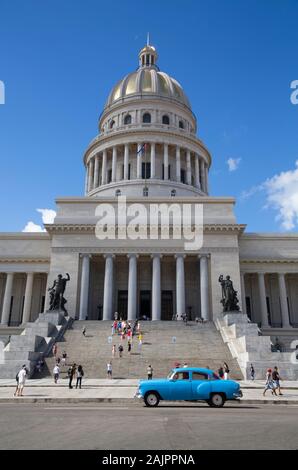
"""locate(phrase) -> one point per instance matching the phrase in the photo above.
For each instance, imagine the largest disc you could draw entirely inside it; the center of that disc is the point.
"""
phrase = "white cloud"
(233, 163)
(32, 227)
(281, 195)
(47, 216)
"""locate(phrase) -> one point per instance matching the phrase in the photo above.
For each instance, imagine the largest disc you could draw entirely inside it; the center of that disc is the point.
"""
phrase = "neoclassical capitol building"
(147, 150)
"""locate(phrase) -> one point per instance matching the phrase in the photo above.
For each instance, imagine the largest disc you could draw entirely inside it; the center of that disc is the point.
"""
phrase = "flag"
(141, 151)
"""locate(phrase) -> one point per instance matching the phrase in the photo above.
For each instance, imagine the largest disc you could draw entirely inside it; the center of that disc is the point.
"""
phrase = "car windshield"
(171, 374)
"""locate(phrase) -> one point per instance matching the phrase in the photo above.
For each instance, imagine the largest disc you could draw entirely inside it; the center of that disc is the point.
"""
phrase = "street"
(133, 426)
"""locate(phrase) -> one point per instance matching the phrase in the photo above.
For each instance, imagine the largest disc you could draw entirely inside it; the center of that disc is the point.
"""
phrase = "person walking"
(149, 372)
(55, 350)
(80, 375)
(56, 372)
(276, 379)
(226, 371)
(84, 332)
(120, 349)
(64, 356)
(221, 372)
(17, 386)
(109, 370)
(22, 375)
(252, 372)
(129, 347)
(113, 350)
(269, 383)
(71, 372)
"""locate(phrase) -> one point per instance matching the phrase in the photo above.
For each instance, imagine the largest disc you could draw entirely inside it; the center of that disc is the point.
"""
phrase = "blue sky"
(235, 60)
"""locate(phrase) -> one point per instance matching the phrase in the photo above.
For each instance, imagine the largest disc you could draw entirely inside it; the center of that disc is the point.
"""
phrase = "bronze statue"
(229, 298)
(57, 300)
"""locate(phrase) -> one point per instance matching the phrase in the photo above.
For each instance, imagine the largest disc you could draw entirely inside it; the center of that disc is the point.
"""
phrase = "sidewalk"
(122, 391)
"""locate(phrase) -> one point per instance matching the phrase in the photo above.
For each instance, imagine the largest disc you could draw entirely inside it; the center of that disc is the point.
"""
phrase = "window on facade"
(109, 179)
(127, 119)
(122, 173)
(173, 192)
(166, 120)
(182, 174)
(117, 192)
(147, 118)
(248, 307)
(181, 125)
(112, 124)
(145, 191)
(146, 170)
(163, 172)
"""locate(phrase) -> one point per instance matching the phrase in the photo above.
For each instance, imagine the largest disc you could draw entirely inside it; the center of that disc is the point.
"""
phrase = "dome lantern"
(147, 55)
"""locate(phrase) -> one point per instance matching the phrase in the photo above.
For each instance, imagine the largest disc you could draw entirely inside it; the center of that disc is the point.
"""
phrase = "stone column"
(152, 173)
(188, 167)
(108, 288)
(84, 294)
(90, 174)
(114, 164)
(96, 172)
(284, 310)
(204, 287)
(243, 296)
(156, 287)
(197, 172)
(178, 164)
(126, 161)
(202, 171)
(104, 168)
(263, 303)
(47, 296)
(166, 162)
(7, 299)
(86, 180)
(139, 162)
(132, 287)
(28, 298)
(206, 178)
(180, 286)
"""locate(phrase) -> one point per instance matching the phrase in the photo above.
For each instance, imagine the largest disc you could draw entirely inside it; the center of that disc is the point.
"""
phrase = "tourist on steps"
(56, 372)
(80, 375)
(226, 371)
(71, 373)
(109, 370)
(149, 372)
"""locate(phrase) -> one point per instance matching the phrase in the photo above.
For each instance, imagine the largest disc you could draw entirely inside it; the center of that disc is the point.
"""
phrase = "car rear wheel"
(217, 400)
(151, 399)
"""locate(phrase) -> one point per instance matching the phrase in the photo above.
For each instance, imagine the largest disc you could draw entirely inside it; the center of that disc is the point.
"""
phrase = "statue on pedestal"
(57, 300)
(229, 298)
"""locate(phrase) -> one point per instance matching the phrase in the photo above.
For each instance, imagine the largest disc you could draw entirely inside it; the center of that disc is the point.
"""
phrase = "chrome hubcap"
(152, 400)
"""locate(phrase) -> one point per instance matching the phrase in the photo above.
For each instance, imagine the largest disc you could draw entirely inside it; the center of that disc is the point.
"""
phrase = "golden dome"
(147, 81)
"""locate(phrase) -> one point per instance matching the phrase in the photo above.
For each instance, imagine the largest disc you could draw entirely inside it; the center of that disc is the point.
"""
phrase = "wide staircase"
(164, 344)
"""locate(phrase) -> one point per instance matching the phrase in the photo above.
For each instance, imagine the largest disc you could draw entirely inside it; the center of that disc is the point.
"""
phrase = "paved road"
(137, 427)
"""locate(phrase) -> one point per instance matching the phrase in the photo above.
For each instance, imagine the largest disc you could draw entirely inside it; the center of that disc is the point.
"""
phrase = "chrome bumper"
(238, 394)
(138, 396)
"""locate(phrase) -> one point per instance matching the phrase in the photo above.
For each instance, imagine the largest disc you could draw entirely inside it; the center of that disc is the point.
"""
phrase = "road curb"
(65, 400)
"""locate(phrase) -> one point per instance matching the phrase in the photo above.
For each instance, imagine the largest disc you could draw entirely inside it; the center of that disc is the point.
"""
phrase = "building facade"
(147, 151)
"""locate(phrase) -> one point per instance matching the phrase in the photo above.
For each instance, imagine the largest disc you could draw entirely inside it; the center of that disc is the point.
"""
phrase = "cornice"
(90, 228)
(8, 259)
(269, 260)
(141, 250)
(24, 236)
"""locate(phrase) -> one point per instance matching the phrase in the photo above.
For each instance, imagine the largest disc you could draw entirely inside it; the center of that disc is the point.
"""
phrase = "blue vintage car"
(189, 384)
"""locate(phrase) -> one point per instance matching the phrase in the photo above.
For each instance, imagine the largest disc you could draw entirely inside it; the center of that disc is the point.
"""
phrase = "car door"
(180, 386)
(200, 386)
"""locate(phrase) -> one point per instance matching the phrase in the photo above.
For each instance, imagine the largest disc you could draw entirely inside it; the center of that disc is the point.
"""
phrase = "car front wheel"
(151, 399)
(216, 400)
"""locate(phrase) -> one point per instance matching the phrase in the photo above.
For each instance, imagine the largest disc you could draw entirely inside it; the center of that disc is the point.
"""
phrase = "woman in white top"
(22, 379)
(56, 372)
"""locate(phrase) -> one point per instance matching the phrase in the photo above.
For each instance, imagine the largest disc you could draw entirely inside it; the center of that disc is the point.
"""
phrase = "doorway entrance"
(122, 304)
(145, 304)
(167, 305)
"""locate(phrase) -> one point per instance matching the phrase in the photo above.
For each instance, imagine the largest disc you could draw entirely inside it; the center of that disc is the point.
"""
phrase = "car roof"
(194, 369)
